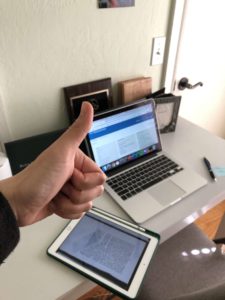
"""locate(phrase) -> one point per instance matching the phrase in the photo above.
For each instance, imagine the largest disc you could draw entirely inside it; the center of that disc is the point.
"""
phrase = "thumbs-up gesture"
(62, 180)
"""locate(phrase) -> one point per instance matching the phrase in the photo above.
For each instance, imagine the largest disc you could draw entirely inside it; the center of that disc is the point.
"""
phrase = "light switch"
(158, 50)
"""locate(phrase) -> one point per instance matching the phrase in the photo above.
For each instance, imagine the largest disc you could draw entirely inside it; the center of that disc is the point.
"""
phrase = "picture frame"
(134, 89)
(98, 93)
(167, 109)
(115, 3)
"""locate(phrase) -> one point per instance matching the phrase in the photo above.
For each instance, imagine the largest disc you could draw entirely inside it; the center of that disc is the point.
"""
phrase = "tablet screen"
(106, 248)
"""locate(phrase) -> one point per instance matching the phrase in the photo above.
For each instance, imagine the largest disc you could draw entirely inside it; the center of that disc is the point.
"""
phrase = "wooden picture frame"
(134, 89)
(167, 109)
(98, 93)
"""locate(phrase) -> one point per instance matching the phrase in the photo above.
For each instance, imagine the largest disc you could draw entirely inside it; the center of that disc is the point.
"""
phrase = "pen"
(209, 168)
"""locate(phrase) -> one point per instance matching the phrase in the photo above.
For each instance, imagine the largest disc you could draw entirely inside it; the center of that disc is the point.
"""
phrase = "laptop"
(141, 177)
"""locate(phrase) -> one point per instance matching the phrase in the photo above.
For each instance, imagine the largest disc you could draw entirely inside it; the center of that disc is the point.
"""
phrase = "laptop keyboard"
(143, 176)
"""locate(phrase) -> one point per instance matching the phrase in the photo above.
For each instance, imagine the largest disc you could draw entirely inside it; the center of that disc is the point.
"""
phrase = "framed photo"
(167, 109)
(115, 3)
(98, 93)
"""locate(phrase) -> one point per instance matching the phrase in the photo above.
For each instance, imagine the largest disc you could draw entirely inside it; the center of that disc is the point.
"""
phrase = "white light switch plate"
(158, 50)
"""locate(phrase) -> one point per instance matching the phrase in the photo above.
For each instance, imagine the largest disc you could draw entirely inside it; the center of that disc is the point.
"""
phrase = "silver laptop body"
(125, 141)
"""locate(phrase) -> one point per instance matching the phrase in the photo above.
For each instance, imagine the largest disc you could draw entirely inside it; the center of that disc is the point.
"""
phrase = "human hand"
(62, 180)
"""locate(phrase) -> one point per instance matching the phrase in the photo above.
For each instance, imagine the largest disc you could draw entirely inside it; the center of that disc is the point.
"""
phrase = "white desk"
(30, 274)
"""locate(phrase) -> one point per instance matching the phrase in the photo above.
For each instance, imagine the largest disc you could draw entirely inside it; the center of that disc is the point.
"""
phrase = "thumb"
(79, 129)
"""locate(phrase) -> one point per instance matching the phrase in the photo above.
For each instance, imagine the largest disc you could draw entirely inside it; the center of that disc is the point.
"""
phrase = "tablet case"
(94, 279)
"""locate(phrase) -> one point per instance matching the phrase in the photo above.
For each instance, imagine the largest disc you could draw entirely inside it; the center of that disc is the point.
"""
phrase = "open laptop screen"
(123, 135)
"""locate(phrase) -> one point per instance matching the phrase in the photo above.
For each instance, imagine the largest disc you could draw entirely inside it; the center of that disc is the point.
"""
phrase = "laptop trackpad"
(166, 192)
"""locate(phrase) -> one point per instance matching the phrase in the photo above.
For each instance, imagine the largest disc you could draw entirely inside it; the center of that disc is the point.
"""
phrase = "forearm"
(9, 231)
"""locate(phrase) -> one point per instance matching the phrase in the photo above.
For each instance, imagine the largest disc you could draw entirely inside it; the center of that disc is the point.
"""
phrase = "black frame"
(98, 93)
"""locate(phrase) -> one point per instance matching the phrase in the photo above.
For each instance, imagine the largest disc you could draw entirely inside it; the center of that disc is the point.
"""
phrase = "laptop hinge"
(130, 164)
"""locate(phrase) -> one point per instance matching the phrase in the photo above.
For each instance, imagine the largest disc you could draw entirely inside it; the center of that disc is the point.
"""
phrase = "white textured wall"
(49, 44)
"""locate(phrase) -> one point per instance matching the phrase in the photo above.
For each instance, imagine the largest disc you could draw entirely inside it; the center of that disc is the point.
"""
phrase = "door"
(201, 58)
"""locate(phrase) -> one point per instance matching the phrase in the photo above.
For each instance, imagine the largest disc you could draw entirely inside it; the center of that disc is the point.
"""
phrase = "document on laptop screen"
(120, 135)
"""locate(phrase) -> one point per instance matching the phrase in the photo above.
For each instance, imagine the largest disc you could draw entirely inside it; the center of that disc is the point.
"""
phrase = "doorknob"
(184, 84)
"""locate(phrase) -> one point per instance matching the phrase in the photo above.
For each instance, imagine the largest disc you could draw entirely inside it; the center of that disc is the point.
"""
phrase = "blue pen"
(209, 168)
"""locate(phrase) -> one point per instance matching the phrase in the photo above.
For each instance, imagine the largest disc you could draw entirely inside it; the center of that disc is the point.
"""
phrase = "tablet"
(108, 250)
